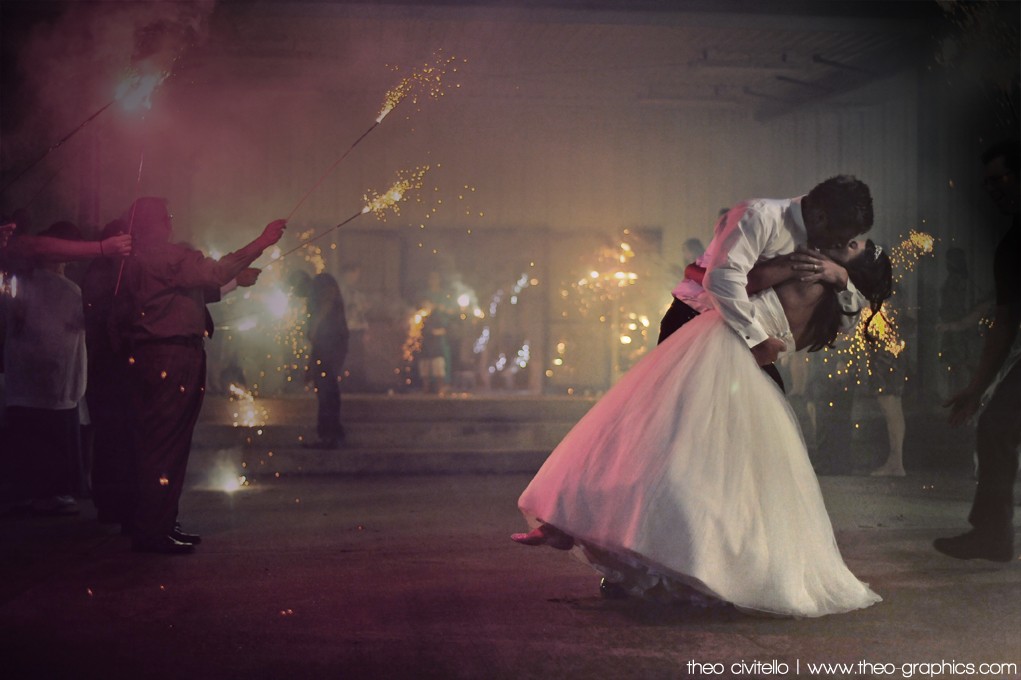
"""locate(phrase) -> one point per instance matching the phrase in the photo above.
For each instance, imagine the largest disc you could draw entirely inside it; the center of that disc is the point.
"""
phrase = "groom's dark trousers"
(680, 314)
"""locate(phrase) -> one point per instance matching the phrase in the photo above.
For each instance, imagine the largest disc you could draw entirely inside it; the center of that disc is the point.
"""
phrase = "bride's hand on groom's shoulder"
(811, 266)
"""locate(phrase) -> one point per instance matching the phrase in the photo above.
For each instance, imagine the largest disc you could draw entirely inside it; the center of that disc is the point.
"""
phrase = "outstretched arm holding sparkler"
(55, 249)
(234, 265)
(187, 267)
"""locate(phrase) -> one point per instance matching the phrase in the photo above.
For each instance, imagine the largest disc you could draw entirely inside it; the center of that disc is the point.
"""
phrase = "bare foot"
(533, 537)
(545, 535)
(889, 471)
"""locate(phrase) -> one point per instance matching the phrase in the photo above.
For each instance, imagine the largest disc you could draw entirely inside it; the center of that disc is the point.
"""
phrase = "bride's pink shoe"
(545, 535)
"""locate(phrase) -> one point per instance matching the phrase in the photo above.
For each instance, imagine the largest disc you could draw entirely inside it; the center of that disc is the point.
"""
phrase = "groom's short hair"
(847, 202)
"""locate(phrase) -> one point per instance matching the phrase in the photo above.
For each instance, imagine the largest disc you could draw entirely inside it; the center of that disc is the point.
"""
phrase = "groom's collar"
(798, 218)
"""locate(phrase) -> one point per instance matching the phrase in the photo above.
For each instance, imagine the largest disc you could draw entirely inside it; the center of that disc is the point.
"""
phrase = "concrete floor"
(415, 577)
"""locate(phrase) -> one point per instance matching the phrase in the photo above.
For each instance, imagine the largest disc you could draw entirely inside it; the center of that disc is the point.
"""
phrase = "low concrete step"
(362, 408)
(411, 435)
(383, 423)
(226, 468)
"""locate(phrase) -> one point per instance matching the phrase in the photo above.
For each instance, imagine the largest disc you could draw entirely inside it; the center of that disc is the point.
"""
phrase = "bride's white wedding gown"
(692, 471)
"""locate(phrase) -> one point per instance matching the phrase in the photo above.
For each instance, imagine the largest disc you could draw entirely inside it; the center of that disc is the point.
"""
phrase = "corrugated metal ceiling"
(768, 57)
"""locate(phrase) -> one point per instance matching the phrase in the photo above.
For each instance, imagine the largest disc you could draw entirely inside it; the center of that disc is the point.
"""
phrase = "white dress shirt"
(752, 231)
(44, 352)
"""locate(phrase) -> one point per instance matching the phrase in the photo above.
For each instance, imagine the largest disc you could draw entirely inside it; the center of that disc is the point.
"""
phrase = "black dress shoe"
(161, 545)
(182, 537)
(982, 546)
(611, 590)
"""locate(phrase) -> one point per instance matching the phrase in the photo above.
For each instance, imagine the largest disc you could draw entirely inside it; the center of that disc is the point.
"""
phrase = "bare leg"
(893, 412)
(813, 423)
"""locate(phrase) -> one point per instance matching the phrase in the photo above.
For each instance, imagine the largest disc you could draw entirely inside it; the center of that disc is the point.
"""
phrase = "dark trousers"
(328, 426)
(167, 387)
(997, 439)
(680, 314)
(355, 379)
(113, 459)
(47, 450)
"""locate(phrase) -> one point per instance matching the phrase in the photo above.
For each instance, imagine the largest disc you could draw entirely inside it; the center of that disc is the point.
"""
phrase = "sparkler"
(247, 413)
(134, 91)
(884, 327)
(377, 204)
(131, 219)
(425, 81)
(57, 145)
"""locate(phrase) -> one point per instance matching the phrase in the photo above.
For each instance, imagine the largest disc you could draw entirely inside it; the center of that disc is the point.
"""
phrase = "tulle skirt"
(691, 472)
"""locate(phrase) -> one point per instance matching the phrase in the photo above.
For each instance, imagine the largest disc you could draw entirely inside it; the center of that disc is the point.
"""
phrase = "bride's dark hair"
(872, 275)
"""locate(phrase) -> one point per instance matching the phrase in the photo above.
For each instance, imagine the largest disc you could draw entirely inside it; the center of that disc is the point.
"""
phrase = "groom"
(829, 216)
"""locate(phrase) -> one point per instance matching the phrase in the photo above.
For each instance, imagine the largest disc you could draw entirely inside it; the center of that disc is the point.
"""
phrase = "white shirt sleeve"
(851, 303)
(741, 242)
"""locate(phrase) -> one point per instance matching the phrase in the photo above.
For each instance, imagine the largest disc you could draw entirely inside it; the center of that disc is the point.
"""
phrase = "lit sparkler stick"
(134, 91)
(428, 79)
(378, 204)
(57, 145)
(131, 220)
(330, 169)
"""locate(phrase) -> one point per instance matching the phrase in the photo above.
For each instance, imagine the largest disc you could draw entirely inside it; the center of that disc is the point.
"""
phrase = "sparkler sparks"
(407, 180)
(611, 288)
(224, 476)
(136, 89)
(378, 204)
(904, 256)
(884, 327)
(426, 81)
(247, 413)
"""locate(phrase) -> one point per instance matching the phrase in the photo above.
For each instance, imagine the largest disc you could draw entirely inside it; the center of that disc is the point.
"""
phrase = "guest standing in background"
(328, 334)
(45, 371)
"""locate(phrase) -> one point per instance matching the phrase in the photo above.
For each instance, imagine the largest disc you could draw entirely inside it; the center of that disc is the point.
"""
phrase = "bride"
(691, 473)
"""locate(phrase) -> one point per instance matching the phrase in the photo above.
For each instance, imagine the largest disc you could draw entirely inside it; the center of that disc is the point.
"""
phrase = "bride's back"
(799, 301)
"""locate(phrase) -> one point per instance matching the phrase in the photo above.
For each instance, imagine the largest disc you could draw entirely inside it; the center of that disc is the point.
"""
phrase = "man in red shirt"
(161, 315)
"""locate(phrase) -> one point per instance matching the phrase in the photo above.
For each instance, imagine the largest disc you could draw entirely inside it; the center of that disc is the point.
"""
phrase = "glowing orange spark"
(425, 81)
(407, 181)
(884, 327)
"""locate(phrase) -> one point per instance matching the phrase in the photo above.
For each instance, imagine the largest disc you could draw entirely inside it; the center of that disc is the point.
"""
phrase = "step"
(383, 423)
(223, 468)
(301, 409)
